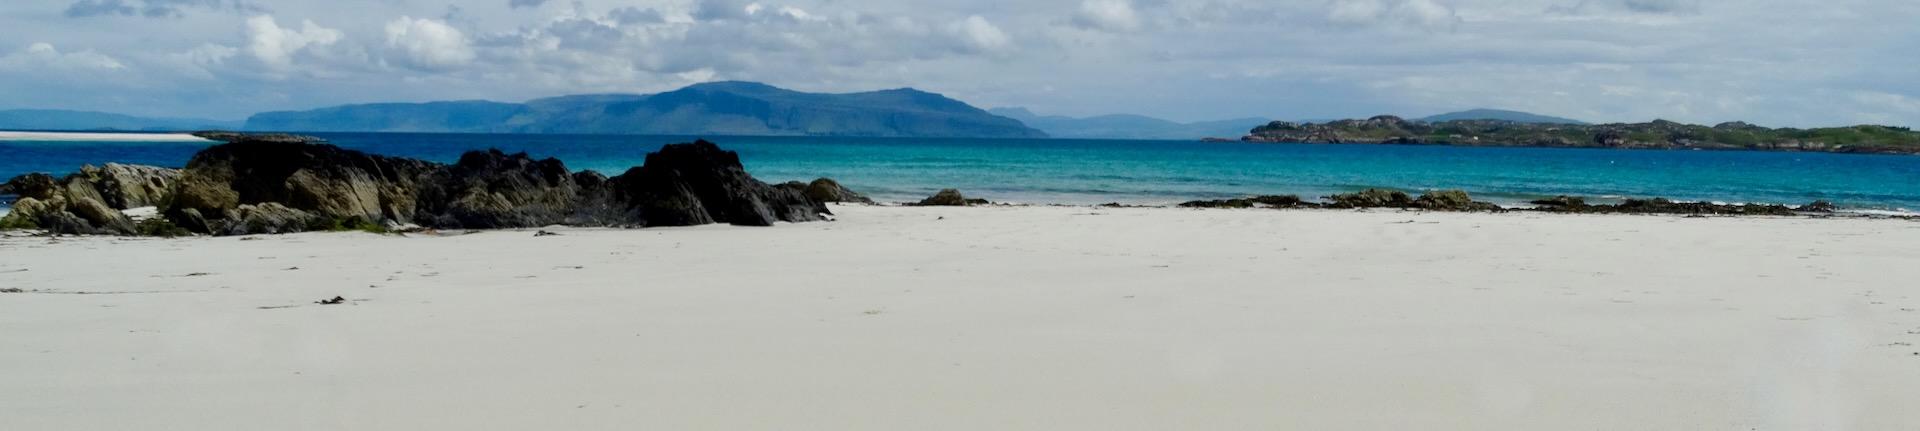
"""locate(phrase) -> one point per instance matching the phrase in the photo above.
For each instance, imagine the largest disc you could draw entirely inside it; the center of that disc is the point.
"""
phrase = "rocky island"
(1659, 134)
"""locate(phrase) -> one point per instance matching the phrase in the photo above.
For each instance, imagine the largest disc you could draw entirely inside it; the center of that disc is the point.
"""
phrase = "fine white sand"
(116, 137)
(989, 319)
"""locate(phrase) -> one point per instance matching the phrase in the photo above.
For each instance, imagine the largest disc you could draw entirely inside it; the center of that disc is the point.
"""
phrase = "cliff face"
(1654, 135)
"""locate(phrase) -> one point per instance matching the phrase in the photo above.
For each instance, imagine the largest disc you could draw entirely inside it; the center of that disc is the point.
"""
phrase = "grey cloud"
(87, 8)
(516, 4)
(155, 8)
(634, 15)
(1669, 7)
(708, 10)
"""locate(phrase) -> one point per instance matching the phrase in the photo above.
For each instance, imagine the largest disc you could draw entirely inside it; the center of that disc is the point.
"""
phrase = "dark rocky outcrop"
(1562, 202)
(1452, 200)
(36, 185)
(1818, 207)
(131, 186)
(698, 183)
(950, 198)
(88, 202)
(1371, 198)
(1661, 206)
(1439, 200)
(491, 189)
(1276, 201)
(828, 190)
(322, 181)
(249, 186)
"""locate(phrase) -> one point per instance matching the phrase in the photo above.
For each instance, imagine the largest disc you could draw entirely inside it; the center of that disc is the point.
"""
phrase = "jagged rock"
(189, 219)
(1563, 201)
(490, 189)
(1371, 198)
(322, 180)
(131, 186)
(25, 214)
(1452, 200)
(946, 198)
(250, 186)
(1818, 207)
(596, 205)
(699, 183)
(1664, 206)
(828, 190)
(267, 218)
(51, 215)
(35, 185)
(1280, 201)
(104, 219)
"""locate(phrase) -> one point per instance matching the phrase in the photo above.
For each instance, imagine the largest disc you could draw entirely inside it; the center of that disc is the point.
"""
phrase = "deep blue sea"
(1151, 172)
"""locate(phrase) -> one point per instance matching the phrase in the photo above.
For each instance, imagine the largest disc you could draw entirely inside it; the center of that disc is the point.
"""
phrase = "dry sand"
(989, 319)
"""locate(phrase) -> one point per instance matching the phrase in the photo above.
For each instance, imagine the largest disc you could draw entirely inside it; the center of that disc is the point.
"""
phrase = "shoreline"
(6, 135)
(997, 317)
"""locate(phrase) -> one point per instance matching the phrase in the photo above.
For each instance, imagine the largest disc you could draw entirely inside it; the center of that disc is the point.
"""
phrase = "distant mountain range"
(1128, 126)
(720, 108)
(50, 119)
(1499, 115)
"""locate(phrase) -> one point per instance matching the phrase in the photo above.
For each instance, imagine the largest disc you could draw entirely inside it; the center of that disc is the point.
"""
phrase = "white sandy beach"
(112, 137)
(1037, 318)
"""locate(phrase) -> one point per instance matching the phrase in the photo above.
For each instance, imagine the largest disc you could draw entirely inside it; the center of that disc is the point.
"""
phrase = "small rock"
(947, 198)
(1818, 207)
(335, 301)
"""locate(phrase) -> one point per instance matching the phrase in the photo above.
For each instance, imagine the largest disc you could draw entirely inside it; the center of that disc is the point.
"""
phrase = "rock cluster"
(950, 198)
(1443, 200)
(828, 190)
(1277, 201)
(1569, 204)
(275, 186)
(90, 201)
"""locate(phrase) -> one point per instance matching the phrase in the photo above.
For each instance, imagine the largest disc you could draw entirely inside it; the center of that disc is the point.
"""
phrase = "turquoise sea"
(1151, 172)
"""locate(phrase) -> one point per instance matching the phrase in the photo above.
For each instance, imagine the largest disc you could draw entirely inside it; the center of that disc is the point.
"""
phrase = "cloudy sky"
(1774, 62)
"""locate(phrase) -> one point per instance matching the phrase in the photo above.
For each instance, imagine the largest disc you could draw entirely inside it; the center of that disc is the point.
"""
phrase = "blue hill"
(1500, 115)
(720, 108)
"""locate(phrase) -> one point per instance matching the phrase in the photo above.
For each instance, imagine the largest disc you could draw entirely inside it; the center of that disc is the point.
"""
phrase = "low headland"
(1659, 134)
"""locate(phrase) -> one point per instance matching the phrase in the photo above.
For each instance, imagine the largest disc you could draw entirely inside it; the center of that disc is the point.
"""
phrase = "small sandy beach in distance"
(984, 318)
(101, 137)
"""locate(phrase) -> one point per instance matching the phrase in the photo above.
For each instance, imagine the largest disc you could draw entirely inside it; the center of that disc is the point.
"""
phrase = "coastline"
(99, 137)
(1005, 317)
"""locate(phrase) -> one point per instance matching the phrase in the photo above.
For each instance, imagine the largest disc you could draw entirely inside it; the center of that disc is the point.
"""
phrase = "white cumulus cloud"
(1423, 14)
(45, 55)
(276, 46)
(428, 44)
(1111, 15)
(976, 34)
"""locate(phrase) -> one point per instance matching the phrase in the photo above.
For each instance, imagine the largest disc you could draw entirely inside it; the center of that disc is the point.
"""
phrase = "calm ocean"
(1151, 172)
